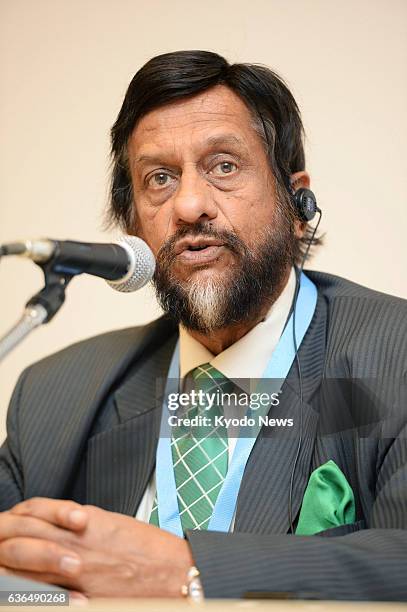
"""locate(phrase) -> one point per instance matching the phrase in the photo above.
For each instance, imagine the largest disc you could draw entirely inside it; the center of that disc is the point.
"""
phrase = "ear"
(300, 180)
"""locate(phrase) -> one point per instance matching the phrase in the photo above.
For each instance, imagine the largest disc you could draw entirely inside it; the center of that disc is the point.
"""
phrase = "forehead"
(217, 111)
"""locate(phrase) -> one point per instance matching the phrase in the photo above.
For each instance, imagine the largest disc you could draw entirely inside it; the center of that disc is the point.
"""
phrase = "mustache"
(231, 240)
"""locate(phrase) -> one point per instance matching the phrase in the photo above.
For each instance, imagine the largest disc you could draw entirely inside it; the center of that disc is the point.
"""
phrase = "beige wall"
(64, 67)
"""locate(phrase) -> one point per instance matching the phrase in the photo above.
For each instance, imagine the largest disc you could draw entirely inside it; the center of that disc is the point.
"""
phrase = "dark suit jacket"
(83, 424)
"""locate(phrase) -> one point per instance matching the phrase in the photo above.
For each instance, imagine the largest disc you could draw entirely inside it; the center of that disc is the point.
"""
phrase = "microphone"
(126, 265)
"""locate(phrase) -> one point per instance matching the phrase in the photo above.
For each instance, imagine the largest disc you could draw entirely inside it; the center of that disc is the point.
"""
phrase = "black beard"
(241, 292)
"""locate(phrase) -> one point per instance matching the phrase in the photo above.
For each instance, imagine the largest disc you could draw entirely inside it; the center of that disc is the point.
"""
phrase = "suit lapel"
(263, 500)
(120, 461)
(78, 384)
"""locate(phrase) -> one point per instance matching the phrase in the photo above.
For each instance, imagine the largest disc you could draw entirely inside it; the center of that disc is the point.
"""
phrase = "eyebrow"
(153, 159)
(211, 142)
(228, 139)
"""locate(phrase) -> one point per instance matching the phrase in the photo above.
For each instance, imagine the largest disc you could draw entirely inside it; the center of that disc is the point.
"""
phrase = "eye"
(224, 168)
(159, 180)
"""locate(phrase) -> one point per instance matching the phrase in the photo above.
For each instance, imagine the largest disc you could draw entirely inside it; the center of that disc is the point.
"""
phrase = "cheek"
(249, 212)
(153, 225)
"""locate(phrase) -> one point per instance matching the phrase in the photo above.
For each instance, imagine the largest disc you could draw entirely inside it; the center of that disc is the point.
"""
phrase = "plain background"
(64, 69)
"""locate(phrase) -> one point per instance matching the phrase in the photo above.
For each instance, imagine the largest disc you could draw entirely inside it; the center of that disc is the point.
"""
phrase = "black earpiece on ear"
(305, 204)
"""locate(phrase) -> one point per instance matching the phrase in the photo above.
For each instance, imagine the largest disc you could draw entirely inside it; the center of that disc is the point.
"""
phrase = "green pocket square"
(328, 501)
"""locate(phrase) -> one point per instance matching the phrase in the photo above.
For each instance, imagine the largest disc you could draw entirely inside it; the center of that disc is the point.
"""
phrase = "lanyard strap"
(277, 368)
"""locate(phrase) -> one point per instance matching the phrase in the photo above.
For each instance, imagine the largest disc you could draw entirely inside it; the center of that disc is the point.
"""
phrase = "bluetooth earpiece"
(303, 199)
(305, 204)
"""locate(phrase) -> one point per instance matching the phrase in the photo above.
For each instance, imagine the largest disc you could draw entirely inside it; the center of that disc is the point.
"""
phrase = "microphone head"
(141, 268)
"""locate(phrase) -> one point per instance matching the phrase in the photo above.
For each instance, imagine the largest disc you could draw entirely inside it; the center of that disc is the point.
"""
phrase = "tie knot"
(209, 378)
(206, 370)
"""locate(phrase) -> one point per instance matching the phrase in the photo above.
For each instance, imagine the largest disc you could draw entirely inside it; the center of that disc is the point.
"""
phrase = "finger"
(78, 599)
(30, 554)
(13, 526)
(64, 513)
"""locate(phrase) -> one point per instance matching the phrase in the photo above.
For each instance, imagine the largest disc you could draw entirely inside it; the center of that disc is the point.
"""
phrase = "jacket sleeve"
(11, 473)
(370, 564)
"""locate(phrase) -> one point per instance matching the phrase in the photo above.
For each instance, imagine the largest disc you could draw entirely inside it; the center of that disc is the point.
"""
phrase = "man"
(207, 159)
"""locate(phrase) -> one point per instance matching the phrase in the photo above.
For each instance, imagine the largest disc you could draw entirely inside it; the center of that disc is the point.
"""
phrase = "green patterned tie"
(200, 454)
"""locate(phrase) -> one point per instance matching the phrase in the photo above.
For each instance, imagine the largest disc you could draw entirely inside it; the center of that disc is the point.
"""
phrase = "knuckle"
(51, 555)
(18, 508)
(91, 510)
(27, 506)
(89, 507)
(64, 510)
(10, 550)
(71, 505)
(7, 522)
(126, 571)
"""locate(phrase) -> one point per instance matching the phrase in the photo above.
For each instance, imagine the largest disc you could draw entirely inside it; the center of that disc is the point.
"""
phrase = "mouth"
(199, 250)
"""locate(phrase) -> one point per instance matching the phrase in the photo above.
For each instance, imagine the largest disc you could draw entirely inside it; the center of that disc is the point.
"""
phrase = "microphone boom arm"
(40, 309)
(32, 317)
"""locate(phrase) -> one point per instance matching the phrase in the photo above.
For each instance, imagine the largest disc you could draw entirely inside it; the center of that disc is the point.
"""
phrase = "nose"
(193, 201)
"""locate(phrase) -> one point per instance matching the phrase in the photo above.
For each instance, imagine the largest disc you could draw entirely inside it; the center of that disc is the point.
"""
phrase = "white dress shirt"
(245, 359)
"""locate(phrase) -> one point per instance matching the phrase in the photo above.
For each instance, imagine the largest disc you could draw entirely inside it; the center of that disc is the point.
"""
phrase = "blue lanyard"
(277, 368)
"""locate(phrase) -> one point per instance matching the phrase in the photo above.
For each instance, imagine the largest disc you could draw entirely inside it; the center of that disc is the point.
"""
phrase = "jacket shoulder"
(333, 287)
(366, 326)
(89, 362)
(368, 306)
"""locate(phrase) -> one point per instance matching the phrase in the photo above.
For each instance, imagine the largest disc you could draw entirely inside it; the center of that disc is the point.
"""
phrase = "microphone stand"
(40, 309)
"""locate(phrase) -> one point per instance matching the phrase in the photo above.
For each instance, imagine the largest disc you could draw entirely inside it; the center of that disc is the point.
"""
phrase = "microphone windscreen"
(142, 265)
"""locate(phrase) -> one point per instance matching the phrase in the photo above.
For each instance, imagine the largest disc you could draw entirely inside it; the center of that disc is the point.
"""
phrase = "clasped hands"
(91, 551)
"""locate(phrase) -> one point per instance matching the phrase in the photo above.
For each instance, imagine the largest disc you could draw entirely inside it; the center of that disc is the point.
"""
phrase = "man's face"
(205, 198)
